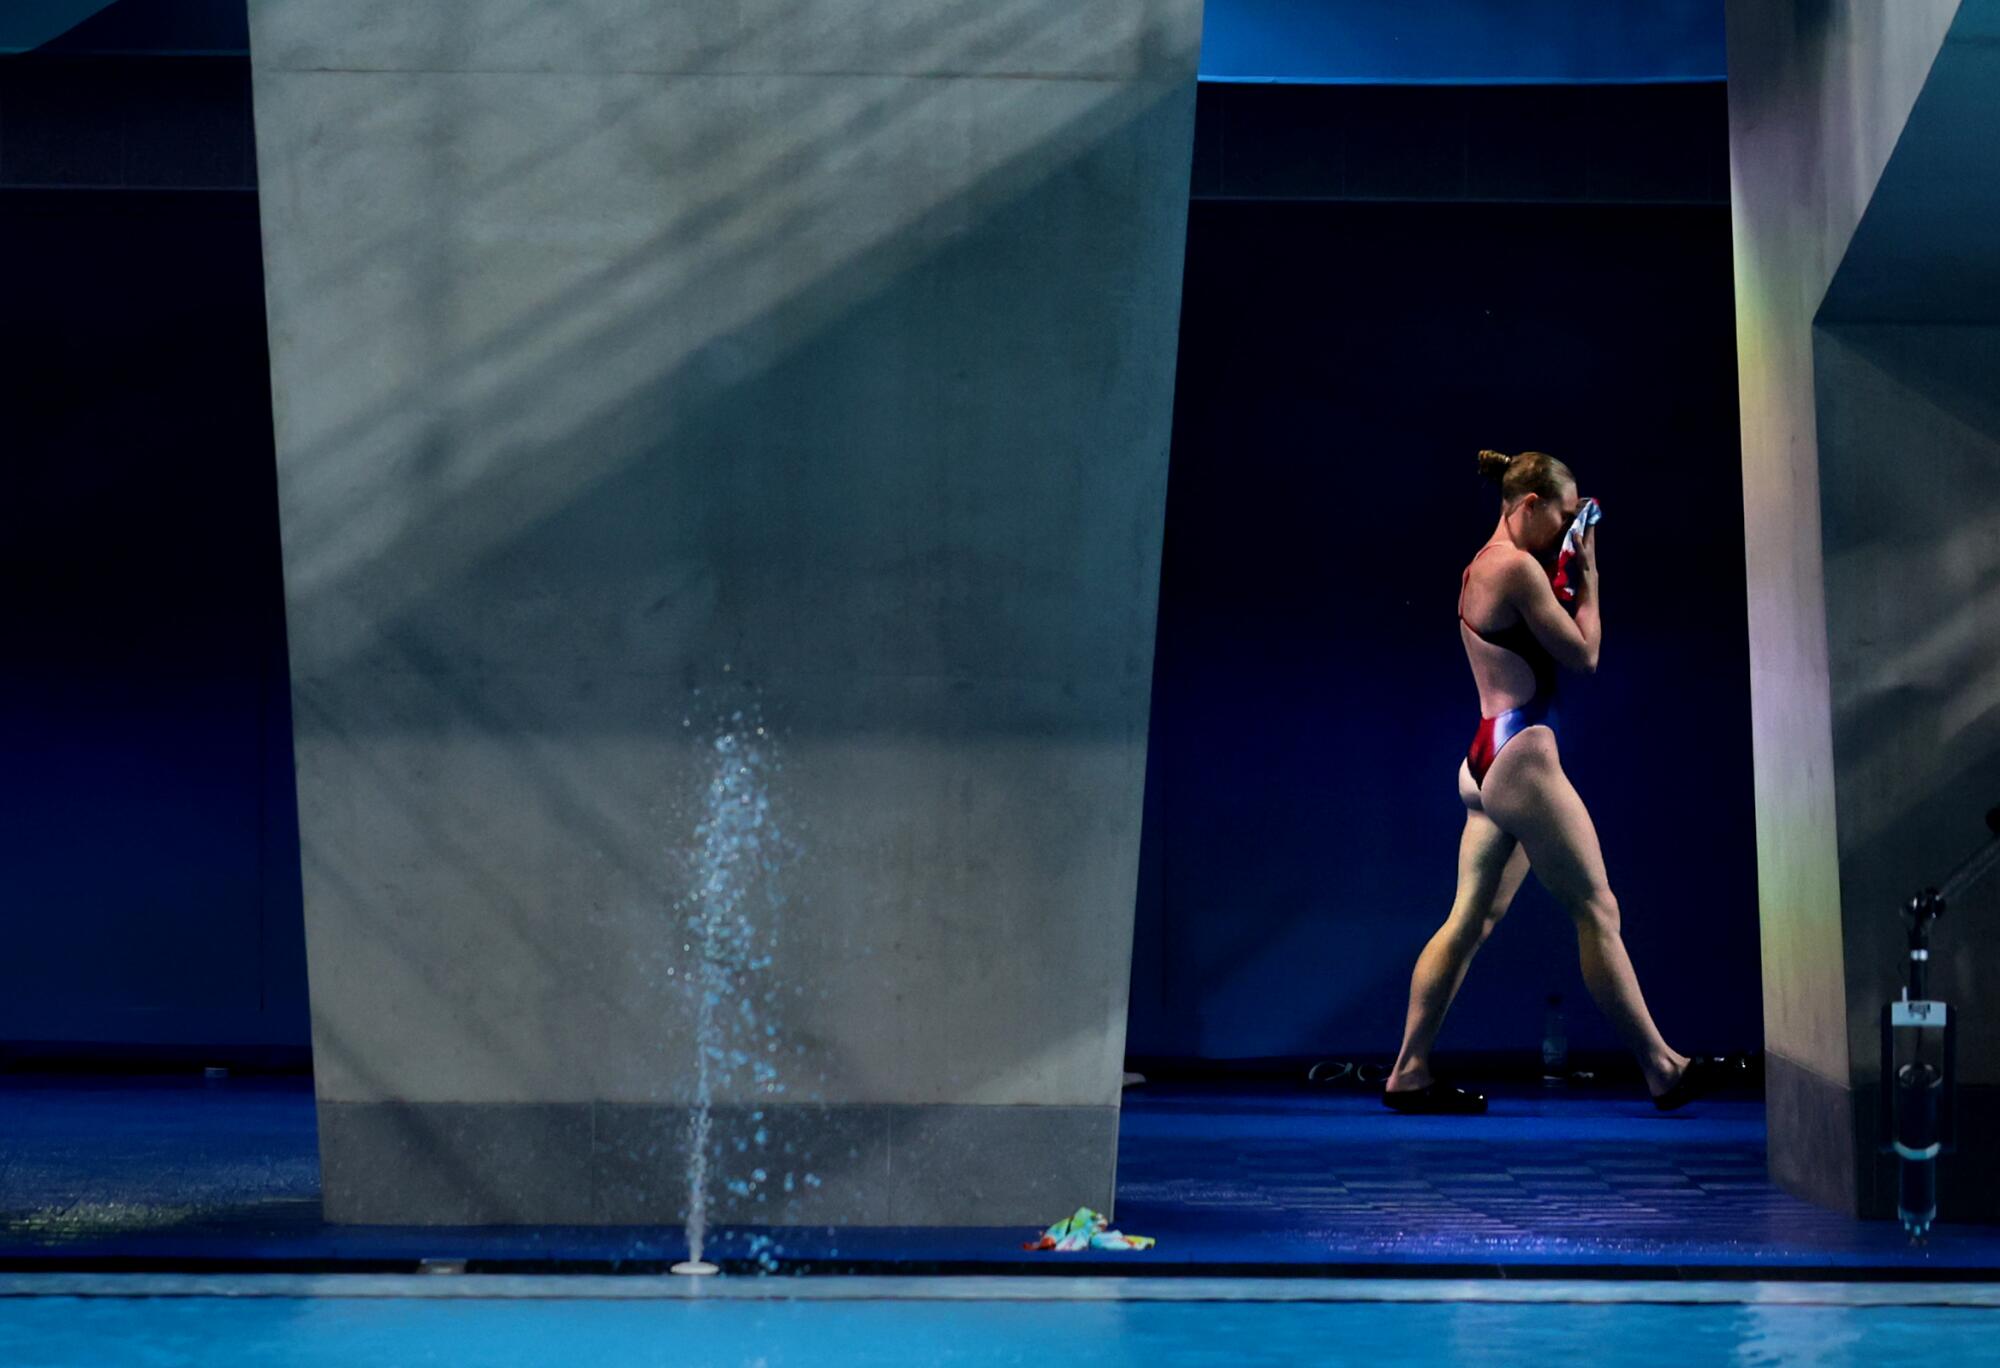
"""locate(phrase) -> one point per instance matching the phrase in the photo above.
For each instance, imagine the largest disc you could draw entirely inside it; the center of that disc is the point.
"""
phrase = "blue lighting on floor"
(1244, 1178)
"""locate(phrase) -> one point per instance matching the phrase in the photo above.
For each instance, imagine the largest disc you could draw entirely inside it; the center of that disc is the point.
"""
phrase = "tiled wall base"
(619, 1163)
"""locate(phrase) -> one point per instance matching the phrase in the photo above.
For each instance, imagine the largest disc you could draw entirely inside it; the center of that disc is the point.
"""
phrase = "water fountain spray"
(736, 848)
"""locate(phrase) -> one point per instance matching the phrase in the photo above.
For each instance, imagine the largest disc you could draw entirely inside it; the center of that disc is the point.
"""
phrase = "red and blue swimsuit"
(1540, 709)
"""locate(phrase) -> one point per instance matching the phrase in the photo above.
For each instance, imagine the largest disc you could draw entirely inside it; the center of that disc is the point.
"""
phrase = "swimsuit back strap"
(1464, 578)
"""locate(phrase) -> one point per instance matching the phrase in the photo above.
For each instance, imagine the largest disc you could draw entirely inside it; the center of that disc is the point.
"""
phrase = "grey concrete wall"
(1863, 141)
(640, 363)
(1909, 442)
(1818, 93)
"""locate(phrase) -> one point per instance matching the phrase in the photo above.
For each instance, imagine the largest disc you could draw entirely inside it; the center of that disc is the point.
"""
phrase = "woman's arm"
(1574, 642)
(1589, 622)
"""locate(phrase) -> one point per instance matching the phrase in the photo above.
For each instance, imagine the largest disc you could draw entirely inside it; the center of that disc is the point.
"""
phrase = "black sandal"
(1704, 1074)
(1435, 1099)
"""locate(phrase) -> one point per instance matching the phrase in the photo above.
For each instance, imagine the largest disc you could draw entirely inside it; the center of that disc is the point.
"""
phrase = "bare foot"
(1664, 1075)
(1409, 1080)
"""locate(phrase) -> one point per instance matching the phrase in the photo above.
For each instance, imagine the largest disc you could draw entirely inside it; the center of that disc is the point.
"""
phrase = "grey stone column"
(639, 365)
(1865, 148)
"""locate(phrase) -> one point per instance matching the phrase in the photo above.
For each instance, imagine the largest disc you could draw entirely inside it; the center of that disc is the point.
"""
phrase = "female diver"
(1519, 807)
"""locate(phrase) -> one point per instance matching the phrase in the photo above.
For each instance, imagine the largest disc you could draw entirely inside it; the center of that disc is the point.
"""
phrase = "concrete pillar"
(1863, 158)
(638, 365)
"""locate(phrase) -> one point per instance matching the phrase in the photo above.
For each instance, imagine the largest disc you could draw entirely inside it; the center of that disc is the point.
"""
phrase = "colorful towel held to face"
(1587, 514)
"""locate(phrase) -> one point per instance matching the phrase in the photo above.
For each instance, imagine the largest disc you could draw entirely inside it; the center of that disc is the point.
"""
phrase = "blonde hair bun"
(1531, 472)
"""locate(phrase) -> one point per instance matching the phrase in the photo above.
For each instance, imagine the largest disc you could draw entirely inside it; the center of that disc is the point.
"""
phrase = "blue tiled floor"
(1543, 1179)
(1250, 1178)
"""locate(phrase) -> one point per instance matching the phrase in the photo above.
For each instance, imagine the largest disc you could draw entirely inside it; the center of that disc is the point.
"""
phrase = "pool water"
(475, 1322)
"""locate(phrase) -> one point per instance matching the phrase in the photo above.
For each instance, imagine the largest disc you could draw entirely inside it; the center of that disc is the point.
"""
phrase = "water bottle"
(1555, 1042)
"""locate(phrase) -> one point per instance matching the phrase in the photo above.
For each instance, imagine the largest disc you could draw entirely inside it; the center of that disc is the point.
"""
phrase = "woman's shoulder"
(1506, 575)
(1507, 559)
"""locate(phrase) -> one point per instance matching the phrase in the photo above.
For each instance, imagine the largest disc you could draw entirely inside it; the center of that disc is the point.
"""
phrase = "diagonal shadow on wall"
(846, 394)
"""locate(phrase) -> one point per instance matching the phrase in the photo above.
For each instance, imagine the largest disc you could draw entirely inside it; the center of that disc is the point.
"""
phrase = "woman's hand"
(1586, 552)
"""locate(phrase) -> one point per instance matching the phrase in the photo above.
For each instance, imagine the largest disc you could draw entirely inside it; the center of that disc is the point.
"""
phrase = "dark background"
(1379, 283)
(149, 841)
(1381, 279)
(149, 886)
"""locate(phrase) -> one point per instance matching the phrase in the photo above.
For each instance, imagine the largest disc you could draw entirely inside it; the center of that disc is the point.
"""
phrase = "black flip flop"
(1435, 1099)
(1703, 1075)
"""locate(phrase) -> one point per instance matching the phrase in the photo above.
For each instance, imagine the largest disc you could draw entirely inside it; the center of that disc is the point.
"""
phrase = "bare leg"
(1528, 794)
(1491, 866)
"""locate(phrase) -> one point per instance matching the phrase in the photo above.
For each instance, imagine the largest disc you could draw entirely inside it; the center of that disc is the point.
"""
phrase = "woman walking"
(1520, 810)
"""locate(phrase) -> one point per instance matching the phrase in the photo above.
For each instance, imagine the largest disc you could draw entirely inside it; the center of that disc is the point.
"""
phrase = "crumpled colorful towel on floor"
(1086, 1230)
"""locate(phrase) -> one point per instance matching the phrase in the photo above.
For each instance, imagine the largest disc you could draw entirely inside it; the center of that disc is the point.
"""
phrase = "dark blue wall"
(1341, 361)
(1453, 41)
(1412, 42)
(149, 888)
(1380, 281)
(152, 28)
